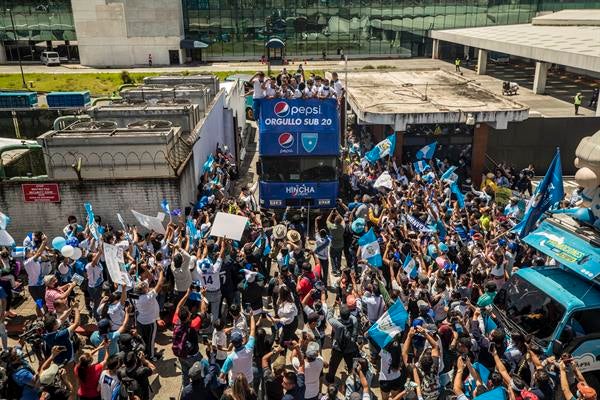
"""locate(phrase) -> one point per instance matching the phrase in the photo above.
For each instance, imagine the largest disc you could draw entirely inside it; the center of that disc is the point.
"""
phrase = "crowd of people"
(274, 315)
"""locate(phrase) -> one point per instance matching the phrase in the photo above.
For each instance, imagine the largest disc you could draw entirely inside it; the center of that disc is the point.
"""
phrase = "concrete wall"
(107, 198)
(124, 32)
(534, 141)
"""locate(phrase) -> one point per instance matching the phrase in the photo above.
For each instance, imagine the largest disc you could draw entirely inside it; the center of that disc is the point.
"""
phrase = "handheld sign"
(230, 226)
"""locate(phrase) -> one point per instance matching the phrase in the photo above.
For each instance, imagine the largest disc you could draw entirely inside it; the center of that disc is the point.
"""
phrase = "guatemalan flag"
(427, 152)
(4, 220)
(208, 164)
(449, 175)
(549, 192)
(164, 204)
(410, 266)
(369, 249)
(382, 149)
(421, 166)
(389, 325)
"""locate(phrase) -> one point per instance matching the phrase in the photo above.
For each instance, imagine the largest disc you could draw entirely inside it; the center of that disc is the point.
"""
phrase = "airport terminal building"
(130, 32)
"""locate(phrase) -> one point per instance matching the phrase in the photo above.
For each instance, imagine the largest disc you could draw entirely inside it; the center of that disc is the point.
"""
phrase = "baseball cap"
(236, 338)
(586, 392)
(104, 326)
(195, 372)
(312, 350)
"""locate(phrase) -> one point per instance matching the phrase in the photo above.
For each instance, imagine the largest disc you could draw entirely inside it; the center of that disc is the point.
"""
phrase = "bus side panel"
(296, 195)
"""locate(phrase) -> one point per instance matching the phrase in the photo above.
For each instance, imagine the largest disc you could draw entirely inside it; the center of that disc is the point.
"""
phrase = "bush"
(368, 67)
(126, 78)
(383, 67)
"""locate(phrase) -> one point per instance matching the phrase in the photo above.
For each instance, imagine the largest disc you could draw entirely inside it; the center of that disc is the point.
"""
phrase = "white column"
(482, 56)
(435, 54)
(539, 79)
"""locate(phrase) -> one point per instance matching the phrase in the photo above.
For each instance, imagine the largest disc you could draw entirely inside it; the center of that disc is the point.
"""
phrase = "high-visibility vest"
(578, 99)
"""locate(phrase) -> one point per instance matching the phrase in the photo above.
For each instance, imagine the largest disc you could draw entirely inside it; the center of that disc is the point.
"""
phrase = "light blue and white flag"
(164, 204)
(384, 148)
(549, 192)
(389, 325)
(460, 197)
(4, 220)
(259, 242)
(5, 239)
(421, 166)
(192, 230)
(449, 175)
(369, 249)
(427, 152)
(91, 221)
(410, 266)
(208, 164)
(122, 222)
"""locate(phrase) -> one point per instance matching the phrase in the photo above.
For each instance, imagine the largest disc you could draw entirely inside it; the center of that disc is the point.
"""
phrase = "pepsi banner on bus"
(299, 144)
(299, 115)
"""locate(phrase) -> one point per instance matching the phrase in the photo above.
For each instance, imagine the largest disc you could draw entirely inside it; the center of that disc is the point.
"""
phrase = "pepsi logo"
(286, 140)
(281, 109)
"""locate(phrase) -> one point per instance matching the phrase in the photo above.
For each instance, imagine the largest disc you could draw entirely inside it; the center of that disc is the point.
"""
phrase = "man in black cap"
(345, 335)
(196, 389)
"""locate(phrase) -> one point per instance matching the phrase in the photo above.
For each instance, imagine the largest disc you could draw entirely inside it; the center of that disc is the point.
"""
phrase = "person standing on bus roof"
(258, 93)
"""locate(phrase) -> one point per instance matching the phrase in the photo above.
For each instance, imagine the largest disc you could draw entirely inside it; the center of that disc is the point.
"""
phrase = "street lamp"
(12, 21)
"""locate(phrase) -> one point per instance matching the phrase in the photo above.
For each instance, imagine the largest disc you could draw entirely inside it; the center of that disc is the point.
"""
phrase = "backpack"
(180, 340)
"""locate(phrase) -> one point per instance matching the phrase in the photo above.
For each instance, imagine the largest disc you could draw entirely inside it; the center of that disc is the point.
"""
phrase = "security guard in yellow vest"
(457, 64)
(577, 102)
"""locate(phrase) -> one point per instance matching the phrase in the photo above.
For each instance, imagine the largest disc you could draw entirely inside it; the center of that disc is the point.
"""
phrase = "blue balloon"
(58, 243)
(72, 241)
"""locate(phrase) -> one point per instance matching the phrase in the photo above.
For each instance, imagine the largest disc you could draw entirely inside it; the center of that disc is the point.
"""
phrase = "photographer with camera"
(316, 321)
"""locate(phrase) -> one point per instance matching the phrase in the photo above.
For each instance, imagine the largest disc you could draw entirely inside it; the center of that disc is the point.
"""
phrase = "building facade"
(127, 32)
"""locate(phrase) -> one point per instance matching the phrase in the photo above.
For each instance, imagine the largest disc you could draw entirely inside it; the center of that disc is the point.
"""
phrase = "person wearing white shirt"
(182, 275)
(390, 370)
(287, 314)
(337, 86)
(313, 367)
(148, 312)
(209, 277)
(271, 90)
(247, 196)
(258, 92)
(35, 277)
(95, 280)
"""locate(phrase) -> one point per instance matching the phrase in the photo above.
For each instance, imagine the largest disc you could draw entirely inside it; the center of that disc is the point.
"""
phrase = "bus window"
(295, 169)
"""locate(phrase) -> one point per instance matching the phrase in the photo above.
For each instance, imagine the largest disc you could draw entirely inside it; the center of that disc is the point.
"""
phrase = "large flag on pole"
(384, 148)
(389, 325)
(549, 192)
(426, 152)
(369, 249)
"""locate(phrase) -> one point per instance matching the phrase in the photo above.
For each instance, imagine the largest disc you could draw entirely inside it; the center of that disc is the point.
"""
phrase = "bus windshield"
(299, 169)
(532, 310)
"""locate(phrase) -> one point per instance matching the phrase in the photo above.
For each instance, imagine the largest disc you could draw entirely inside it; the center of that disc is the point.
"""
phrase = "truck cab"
(559, 304)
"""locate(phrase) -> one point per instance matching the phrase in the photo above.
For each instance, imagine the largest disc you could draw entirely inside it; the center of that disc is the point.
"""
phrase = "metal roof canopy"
(434, 96)
(566, 38)
(275, 43)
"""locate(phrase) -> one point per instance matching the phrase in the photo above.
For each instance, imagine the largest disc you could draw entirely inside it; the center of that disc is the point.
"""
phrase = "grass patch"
(101, 83)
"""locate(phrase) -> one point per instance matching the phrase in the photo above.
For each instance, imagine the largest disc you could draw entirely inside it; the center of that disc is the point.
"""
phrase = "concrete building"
(430, 105)
(123, 156)
(567, 38)
(126, 32)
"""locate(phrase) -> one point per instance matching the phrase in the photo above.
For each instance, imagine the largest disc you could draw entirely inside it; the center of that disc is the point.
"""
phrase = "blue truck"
(559, 304)
(299, 149)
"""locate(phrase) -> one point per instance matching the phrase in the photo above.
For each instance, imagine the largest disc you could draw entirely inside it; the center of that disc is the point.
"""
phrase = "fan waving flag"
(389, 325)
(369, 249)
(410, 266)
(449, 175)
(427, 152)
(549, 192)
(384, 148)
(421, 166)
(164, 204)
(208, 164)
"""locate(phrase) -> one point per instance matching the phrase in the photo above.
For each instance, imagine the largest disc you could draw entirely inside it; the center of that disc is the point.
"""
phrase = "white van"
(50, 58)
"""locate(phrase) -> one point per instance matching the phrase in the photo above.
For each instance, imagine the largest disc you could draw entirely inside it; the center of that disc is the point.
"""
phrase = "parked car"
(50, 58)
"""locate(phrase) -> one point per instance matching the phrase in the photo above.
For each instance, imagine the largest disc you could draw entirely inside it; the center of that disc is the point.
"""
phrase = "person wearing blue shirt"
(57, 336)
(104, 333)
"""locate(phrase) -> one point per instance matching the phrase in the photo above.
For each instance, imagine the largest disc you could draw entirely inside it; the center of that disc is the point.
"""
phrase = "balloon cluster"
(69, 248)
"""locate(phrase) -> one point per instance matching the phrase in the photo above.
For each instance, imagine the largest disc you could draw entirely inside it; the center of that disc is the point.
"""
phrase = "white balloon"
(77, 253)
(67, 251)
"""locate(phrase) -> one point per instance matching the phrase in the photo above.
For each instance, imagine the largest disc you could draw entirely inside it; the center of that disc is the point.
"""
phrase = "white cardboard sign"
(117, 274)
(229, 226)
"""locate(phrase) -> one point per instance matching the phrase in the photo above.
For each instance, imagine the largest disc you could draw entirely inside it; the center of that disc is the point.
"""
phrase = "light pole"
(12, 21)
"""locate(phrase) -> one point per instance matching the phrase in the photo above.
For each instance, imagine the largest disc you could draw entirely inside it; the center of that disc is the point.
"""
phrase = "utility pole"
(12, 21)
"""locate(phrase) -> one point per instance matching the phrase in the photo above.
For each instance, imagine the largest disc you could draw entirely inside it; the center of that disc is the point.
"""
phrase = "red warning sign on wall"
(40, 192)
